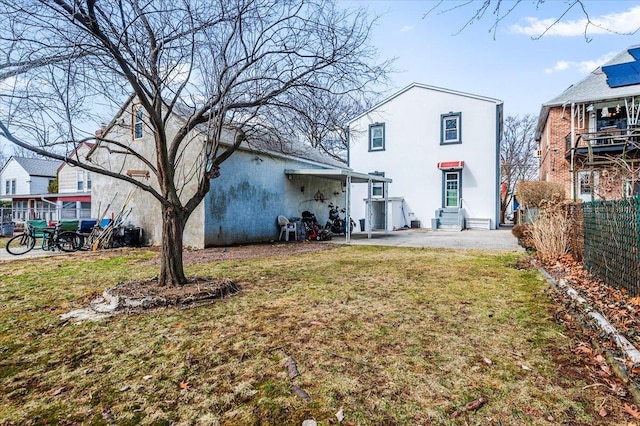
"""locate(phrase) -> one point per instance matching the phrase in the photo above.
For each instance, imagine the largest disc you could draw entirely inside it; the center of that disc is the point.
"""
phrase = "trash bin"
(361, 225)
(7, 228)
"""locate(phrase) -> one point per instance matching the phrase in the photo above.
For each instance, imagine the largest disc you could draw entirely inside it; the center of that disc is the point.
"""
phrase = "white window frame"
(88, 181)
(13, 186)
(372, 129)
(377, 190)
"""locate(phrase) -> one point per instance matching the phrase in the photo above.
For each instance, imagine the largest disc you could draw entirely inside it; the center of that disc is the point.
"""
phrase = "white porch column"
(347, 215)
(369, 211)
(385, 189)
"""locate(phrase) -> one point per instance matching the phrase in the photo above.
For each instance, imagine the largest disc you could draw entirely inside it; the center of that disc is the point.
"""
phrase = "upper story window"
(88, 181)
(138, 115)
(376, 137)
(451, 131)
(7, 186)
(80, 181)
(11, 187)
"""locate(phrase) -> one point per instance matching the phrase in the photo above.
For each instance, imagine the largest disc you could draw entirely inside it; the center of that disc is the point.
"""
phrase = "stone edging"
(630, 351)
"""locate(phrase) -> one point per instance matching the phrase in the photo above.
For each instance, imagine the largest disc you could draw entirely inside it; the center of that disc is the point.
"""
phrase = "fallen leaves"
(471, 406)
(633, 412)
(58, 391)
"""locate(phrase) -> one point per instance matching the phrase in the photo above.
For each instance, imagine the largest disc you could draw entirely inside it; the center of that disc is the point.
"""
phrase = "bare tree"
(517, 156)
(229, 68)
(501, 9)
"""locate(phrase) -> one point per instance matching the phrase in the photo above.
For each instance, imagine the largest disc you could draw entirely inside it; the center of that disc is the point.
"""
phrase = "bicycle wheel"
(20, 244)
(69, 241)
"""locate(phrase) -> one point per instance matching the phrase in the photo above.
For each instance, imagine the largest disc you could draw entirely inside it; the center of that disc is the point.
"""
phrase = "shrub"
(523, 232)
(550, 231)
(531, 194)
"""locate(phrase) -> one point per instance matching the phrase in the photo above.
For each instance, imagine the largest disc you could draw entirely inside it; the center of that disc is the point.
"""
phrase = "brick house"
(588, 136)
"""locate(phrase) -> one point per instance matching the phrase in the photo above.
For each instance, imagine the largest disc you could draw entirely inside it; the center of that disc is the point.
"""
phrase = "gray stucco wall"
(252, 190)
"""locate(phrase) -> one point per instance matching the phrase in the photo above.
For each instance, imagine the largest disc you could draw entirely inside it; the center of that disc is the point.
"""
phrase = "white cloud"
(621, 23)
(584, 67)
(406, 28)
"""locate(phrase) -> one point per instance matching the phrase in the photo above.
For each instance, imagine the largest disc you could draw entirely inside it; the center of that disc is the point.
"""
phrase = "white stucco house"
(442, 149)
(256, 184)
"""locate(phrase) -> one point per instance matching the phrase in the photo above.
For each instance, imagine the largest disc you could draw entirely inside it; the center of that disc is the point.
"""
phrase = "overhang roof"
(339, 174)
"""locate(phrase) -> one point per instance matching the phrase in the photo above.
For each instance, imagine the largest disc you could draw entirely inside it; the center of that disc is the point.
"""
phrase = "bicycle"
(52, 239)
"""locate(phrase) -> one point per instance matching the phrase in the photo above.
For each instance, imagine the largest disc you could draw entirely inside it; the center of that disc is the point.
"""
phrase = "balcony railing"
(609, 139)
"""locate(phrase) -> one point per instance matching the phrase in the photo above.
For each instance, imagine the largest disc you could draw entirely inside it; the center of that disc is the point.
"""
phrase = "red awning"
(449, 165)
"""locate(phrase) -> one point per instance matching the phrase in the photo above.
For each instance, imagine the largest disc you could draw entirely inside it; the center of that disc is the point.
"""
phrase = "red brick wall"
(554, 167)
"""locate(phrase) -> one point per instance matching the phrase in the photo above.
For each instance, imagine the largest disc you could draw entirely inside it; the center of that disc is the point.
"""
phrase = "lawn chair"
(286, 227)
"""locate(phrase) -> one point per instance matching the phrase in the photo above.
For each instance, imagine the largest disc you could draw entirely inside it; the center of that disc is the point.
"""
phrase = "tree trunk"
(171, 267)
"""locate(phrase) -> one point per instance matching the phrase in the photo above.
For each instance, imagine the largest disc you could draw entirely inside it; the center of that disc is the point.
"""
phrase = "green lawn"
(387, 335)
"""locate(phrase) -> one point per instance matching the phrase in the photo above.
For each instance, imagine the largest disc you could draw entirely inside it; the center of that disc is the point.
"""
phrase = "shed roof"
(339, 174)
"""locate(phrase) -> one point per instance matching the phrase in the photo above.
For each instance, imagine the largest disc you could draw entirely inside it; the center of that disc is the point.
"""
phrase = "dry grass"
(390, 336)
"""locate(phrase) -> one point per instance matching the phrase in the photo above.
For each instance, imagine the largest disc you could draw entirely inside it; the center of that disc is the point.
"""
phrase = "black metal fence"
(612, 241)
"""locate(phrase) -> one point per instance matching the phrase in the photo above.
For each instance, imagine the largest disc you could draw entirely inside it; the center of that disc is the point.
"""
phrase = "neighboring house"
(74, 187)
(441, 147)
(255, 186)
(25, 181)
(588, 136)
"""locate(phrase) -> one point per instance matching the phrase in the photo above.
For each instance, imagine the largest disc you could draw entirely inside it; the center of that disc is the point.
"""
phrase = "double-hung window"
(7, 187)
(376, 137)
(451, 128)
(80, 180)
(88, 181)
(138, 116)
(377, 188)
(13, 186)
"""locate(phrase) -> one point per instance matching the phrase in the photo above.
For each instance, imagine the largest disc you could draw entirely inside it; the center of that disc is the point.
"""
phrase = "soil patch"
(250, 251)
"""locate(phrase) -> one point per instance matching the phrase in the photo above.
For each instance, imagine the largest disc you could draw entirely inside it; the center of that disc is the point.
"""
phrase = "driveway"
(499, 239)
(36, 252)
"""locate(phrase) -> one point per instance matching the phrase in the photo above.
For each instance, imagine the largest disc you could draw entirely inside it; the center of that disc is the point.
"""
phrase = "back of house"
(441, 148)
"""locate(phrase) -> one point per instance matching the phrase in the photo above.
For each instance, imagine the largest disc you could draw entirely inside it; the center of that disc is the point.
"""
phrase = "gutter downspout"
(50, 202)
(573, 146)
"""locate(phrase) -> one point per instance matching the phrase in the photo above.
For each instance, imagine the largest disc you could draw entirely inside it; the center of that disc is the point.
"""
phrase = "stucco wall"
(242, 205)
(253, 190)
(145, 211)
(412, 151)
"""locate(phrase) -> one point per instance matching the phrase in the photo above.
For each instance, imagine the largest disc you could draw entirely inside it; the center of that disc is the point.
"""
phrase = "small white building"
(442, 149)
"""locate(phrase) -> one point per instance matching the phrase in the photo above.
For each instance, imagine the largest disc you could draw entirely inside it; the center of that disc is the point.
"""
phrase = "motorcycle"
(313, 229)
(337, 224)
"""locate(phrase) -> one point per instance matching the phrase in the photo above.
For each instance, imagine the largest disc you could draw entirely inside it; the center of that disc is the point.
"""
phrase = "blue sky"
(511, 66)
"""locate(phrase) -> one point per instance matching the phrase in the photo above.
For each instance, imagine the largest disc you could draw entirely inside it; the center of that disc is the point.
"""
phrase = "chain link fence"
(611, 242)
